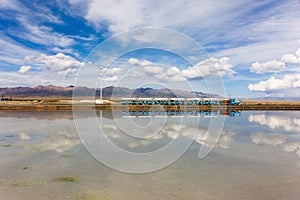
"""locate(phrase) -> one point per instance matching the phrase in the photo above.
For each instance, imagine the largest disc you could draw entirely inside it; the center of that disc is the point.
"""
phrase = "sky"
(252, 46)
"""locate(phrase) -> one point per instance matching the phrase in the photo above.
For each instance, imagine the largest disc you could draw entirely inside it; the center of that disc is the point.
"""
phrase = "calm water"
(257, 157)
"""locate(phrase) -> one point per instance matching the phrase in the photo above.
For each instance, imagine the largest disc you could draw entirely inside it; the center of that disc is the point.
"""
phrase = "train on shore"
(180, 101)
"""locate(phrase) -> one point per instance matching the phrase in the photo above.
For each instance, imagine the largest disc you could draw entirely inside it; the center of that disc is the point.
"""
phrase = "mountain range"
(58, 91)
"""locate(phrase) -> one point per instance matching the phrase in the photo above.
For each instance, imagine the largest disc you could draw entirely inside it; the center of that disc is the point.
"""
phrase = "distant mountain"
(58, 91)
(277, 99)
(41, 91)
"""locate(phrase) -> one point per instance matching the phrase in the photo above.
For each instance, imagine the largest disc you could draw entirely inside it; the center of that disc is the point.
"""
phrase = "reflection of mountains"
(38, 115)
(54, 115)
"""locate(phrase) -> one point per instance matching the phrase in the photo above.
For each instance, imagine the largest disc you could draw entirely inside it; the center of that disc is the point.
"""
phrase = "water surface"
(257, 157)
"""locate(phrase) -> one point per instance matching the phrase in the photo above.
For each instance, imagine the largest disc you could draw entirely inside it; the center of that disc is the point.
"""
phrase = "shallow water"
(256, 157)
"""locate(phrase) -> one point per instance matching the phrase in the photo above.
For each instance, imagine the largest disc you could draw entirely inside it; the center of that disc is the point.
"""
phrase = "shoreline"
(67, 105)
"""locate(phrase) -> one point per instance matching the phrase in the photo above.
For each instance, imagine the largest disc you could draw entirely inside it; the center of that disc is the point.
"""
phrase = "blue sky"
(252, 44)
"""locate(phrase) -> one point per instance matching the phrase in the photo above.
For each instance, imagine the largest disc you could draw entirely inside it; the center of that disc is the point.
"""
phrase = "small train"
(180, 101)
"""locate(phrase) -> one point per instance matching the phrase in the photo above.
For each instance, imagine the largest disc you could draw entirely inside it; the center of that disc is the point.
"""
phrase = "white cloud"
(153, 69)
(298, 52)
(267, 34)
(133, 61)
(274, 84)
(214, 23)
(9, 4)
(43, 35)
(172, 74)
(110, 78)
(208, 68)
(24, 69)
(13, 79)
(9, 48)
(111, 74)
(63, 50)
(112, 71)
(269, 66)
(121, 15)
(286, 86)
(262, 138)
(292, 58)
(29, 58)
(148, 67)
(62, 64)
(128, 14)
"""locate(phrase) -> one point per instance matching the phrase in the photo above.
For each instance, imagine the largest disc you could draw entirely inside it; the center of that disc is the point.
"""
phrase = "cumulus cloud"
(207, 68)
(287, 85)
(62, 64)
(172, 74)
(292, 58)
(138, 62)
(67, 66)
(111, 74)
(270, 66)
(112, 71)
(148, 66)
(153, 69)
(274, 84)
(24, 69)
